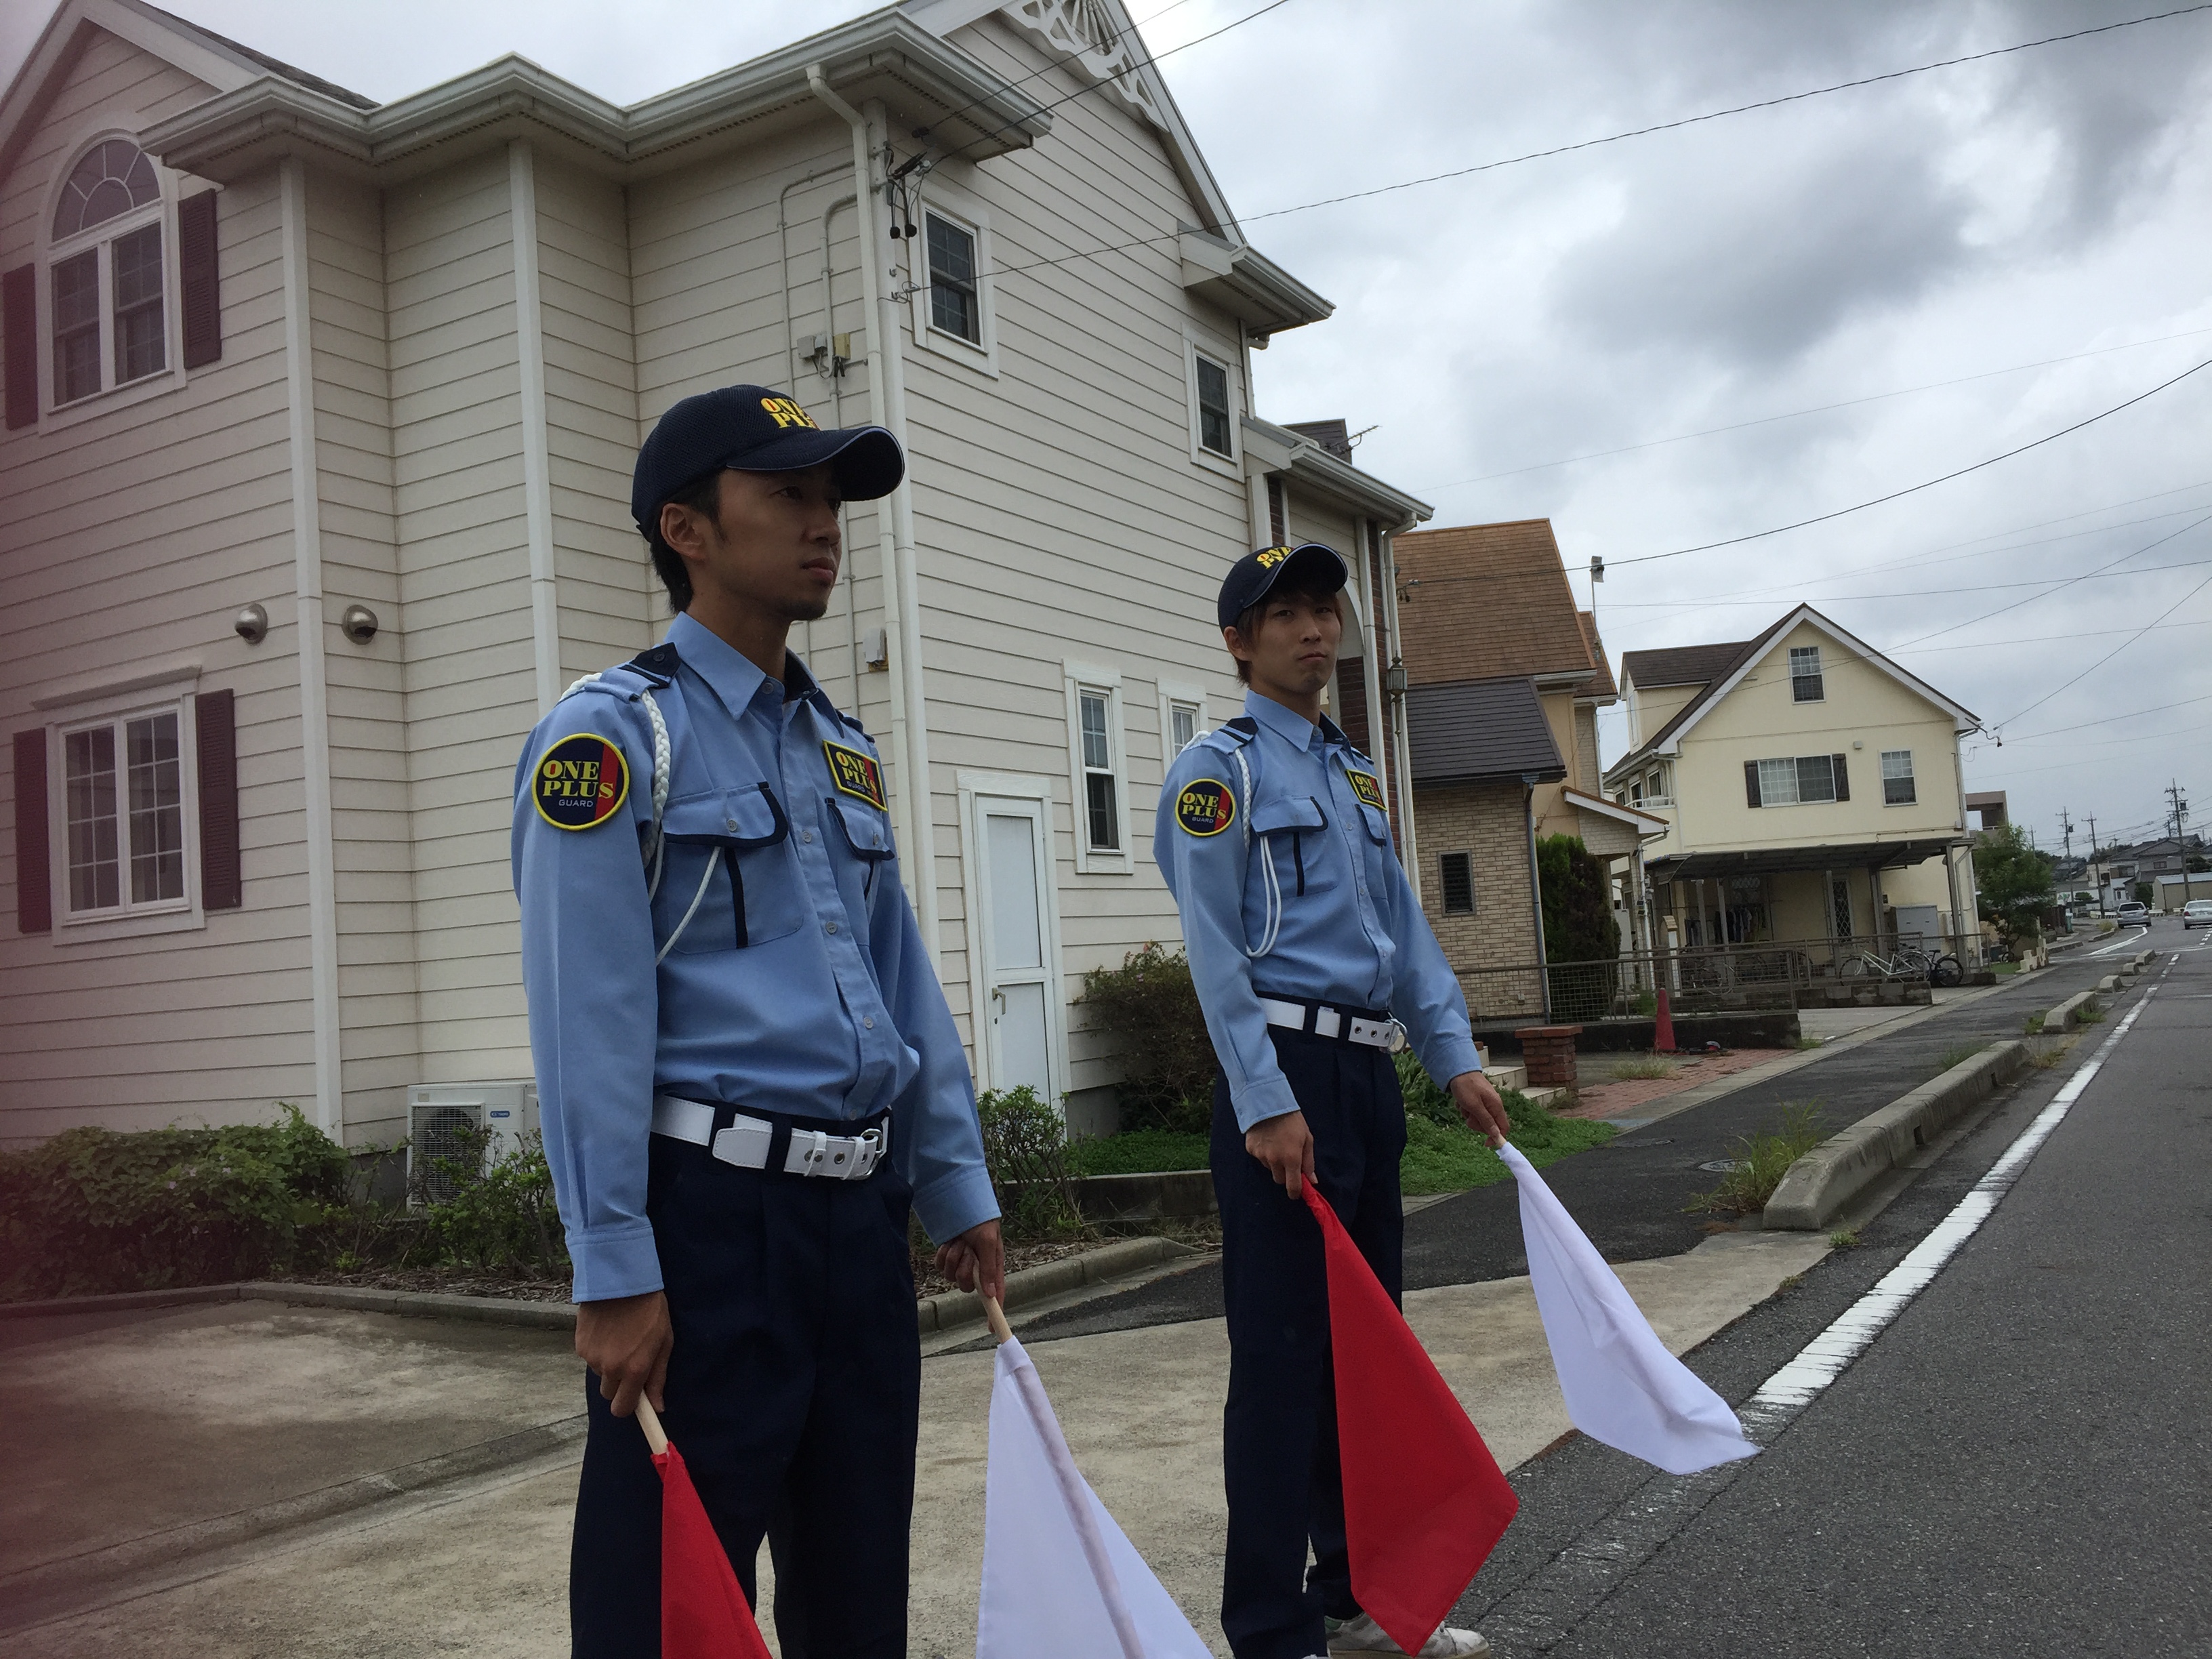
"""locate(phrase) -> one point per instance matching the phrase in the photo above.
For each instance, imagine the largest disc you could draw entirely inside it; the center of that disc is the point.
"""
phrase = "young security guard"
(745, 1066)
(1313, 963)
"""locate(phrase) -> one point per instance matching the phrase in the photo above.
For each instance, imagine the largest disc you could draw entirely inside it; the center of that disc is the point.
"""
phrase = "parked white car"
(2197, 913)
(2132, 915)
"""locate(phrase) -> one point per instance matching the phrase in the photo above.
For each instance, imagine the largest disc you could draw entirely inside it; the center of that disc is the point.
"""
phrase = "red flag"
(703, 1613)
(1424, 1503)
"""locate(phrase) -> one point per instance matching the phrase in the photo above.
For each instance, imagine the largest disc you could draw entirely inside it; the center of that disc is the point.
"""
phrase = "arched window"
(106, 275)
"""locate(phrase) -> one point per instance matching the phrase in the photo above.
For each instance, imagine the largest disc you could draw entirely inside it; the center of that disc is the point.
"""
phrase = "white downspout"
(1409, 848)
(314, 695)
(895, 526)
(537, 467)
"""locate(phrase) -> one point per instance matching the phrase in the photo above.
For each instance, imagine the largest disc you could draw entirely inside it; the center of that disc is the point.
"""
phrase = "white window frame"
(1196, 343)
(1906, 776)
(127, 918)
(940, 195)
(1077, 677)
(54, 416)
(1795, 798)
(1818, 672)
(1178, 693)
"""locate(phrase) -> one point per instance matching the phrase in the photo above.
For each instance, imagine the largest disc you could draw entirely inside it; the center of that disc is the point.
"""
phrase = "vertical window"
(1778, 782)
(1456, 871)
(1213, 406)
(953, 305)
(123, 812)
(76, 326)
(1182, 727)
(107, 283)
(1805, 683)
(1816, 777)
(1897, 789)
(1102, 813)
(139, 336)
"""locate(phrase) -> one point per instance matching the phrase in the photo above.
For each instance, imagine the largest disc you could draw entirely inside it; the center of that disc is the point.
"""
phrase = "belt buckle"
(1400, 1041)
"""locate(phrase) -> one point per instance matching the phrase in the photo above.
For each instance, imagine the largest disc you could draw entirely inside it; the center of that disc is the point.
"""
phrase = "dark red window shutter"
(19, 304)
(1751, 783)
(1276, 511)
(217, 734)
(196, 257)
(35, 893)
(1352, 688)
(1843, 777)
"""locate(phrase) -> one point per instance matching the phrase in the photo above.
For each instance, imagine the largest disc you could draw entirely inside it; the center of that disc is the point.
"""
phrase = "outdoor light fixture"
(251, 624)
(358, 624)
(1395, 680)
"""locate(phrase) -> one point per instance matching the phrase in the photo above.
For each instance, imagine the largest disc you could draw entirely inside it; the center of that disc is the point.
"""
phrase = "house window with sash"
(954, 305)
(1806, 684)
(1897, 789)
(1796, 781)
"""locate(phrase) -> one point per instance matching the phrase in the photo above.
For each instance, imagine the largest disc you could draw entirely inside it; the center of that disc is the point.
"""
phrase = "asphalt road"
(1629, 1196)
(2020, 1465)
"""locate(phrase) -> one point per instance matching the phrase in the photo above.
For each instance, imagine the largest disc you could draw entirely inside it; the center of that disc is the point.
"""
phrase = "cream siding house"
(440, 328)
(1810, 789)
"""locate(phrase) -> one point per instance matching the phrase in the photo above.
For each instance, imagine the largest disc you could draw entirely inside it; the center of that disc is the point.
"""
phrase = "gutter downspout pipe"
(1409, 851)
(1536, 889)
(895, 525)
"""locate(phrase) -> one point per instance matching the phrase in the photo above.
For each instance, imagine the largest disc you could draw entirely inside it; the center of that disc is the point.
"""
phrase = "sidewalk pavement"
(164, 1420)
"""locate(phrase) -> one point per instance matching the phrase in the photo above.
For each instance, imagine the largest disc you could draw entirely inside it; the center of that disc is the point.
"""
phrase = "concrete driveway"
(259, 1482)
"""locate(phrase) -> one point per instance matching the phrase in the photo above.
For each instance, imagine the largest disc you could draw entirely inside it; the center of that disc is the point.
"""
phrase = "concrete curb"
(934, 1313)
(1821, 1183)
(2067, 1014)
(951, 1308)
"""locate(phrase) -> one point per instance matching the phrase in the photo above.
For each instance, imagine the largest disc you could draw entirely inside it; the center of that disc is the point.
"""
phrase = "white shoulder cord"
(1267, 861)
(660, 771)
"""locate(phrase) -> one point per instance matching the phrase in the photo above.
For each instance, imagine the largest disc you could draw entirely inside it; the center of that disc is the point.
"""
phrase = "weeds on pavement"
(1763, 1158)
(1958, 1054)
(2044, 1056)
(1845, 1239)
(1651, 1067)
(2035, 1025)
(2090, 1014)
(1802, 1041)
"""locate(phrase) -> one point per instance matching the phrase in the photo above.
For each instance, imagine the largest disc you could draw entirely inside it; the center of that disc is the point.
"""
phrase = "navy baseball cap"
(1308, 566)
(751, 429)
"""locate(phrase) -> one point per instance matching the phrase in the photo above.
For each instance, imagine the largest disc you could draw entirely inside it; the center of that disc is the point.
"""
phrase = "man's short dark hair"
(703, 495)
(1248, 622)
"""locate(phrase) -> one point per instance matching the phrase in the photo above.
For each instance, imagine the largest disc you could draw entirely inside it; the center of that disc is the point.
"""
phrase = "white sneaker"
(1361, 1637)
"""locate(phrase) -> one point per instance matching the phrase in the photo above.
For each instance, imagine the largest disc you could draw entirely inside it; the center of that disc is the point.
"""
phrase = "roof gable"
(1668, 739)
(1602, 688)
(222, 64)
(1487, 600)
(1481, 729)
(1681, 665)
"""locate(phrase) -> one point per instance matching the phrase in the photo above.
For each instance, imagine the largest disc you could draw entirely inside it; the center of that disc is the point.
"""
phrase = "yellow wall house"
(1811, 790)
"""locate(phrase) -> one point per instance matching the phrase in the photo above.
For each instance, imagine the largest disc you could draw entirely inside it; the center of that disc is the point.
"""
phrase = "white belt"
(1334, 1022)
(745, 1142)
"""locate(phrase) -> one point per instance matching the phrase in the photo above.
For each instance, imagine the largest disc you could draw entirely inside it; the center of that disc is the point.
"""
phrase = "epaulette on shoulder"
(852, 723)
(1235, 734)
(658, 665)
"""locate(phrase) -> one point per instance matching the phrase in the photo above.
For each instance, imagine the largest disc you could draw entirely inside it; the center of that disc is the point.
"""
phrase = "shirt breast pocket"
(727, 880)
(1292, 830)
(866, 832)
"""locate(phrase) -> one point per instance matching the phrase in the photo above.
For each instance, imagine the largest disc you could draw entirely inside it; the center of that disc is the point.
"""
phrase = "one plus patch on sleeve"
(1206, 807)
(580, 782)
(1368, 787)
(855, 773)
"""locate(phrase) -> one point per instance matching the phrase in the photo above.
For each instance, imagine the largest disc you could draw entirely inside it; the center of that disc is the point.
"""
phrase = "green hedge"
(94, 1210)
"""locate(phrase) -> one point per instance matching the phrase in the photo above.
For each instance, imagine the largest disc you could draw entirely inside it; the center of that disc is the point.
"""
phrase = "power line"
(2114, 653)
(2085, 577)
(2133, 714)
(1591, 143)
(1914, 489)
(1739, 109)
(2051, 582)
(1818, 409)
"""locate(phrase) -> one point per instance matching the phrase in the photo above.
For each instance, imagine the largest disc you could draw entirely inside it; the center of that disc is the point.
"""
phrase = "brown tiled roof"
(1602, 689)
(1478, 730)
(1680, 665)
(1486, 600)
(1719, 662)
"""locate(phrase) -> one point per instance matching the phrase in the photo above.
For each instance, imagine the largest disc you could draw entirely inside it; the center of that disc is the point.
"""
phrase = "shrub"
(92, 1210)
(1763, 1159)
(1148, 1009)
(1026, 1150)
(1139, 1152)
(498, 1213)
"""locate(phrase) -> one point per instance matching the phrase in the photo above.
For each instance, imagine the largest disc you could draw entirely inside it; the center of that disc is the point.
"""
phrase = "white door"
(1013, 895)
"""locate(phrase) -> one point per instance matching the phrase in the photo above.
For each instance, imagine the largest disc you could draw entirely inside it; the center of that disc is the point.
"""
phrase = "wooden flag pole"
(649, 1420)
(1000, 1331)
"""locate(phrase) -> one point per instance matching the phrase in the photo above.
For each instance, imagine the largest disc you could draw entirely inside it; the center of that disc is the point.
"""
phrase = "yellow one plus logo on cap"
(785, 412)
(1272, 557)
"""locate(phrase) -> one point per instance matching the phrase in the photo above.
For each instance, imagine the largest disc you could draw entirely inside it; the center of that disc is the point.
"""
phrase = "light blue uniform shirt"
(802, 987)
(1296, 893)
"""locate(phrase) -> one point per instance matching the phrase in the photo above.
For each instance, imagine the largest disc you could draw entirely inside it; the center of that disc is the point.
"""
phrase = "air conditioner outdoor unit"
(450, 1123)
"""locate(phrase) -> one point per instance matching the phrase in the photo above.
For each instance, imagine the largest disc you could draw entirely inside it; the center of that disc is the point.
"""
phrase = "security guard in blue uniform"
(746, 1069)
(1313, 964)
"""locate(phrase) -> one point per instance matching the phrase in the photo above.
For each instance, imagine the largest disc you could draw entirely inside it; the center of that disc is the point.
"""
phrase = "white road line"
(2123, 944)
(1827, 1356)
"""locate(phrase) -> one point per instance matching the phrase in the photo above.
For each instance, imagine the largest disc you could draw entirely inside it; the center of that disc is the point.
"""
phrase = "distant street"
(2019, 1465)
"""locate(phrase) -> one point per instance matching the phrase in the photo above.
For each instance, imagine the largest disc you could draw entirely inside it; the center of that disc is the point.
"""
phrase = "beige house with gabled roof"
(1810, 787)
(320, 415)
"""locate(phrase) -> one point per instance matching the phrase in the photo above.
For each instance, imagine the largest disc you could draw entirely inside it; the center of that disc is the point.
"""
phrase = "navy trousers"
(794, 1395)
(1278, 1430)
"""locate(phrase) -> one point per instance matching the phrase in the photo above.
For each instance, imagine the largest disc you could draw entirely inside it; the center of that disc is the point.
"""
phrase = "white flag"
(1621, 1385)
(1059, 1578)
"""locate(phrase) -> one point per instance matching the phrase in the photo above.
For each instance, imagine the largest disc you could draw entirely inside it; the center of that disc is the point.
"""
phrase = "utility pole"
(2066, 829)
(2180, 848)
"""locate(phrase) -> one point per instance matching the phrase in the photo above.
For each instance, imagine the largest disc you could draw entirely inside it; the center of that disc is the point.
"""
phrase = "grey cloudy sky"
(1964, 260)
